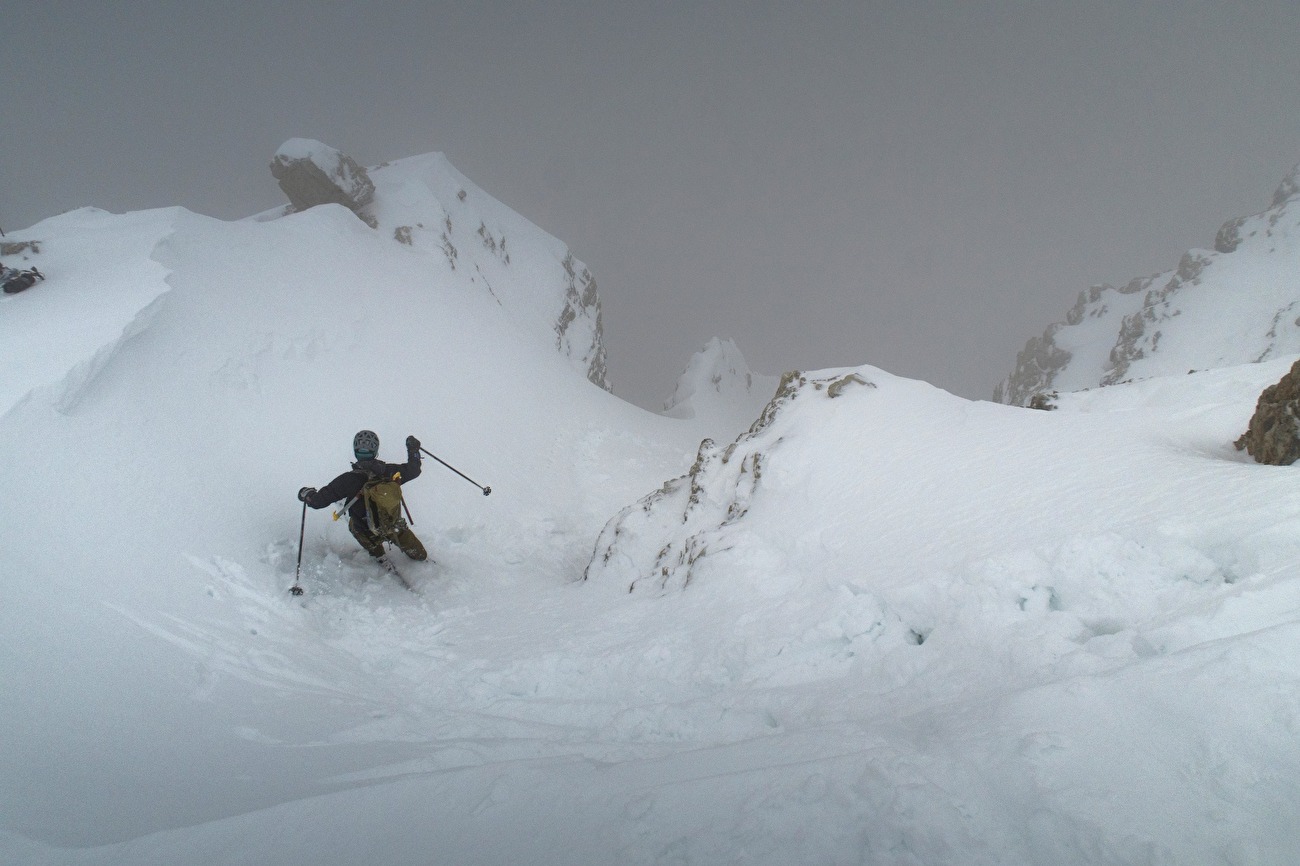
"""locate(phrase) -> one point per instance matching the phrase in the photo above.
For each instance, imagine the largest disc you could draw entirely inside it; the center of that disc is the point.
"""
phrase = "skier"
(374, 501)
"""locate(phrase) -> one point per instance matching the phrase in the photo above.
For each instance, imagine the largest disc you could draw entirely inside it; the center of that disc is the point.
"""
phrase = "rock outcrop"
(579, 327)
(311, 174)
(13, 248)
(659, 543)
(1273, 436)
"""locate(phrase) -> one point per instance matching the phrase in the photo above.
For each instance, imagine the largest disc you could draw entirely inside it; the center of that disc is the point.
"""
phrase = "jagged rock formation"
(1273, 436)
(658, 543)
(1238, 303)
(579, 327)
(424, 204)
(311, 174)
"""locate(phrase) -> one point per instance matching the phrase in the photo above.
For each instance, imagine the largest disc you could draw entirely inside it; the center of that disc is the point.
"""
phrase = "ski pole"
(410, 521)
(296, 589)
(487, 491)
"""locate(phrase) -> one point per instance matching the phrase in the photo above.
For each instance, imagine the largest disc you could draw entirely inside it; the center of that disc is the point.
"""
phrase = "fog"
(921, 186)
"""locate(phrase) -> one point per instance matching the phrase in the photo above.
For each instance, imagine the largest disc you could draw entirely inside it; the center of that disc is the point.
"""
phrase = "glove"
(412, 444)
(305, 492)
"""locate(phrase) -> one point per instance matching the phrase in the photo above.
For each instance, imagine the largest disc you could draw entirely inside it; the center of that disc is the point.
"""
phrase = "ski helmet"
(365, 445)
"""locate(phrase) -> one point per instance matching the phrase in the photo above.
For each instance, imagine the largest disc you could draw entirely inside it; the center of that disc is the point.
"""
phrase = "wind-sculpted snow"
(102, 288)
(1236, 304)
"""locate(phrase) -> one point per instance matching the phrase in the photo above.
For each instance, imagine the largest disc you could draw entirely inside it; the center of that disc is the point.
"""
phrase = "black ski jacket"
(349, 484)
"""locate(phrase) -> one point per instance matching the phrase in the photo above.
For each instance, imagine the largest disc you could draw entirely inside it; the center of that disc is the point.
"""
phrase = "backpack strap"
(366, 476)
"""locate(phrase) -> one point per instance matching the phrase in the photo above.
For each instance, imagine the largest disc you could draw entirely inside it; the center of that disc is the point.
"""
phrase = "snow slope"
(1235, 304)
(1054, 626)
(893, 626)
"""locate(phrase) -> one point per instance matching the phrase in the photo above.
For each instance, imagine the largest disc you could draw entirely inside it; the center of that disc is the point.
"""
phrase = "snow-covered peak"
(423, 202)
(718, 380)
(1237, 303)
(471, 239)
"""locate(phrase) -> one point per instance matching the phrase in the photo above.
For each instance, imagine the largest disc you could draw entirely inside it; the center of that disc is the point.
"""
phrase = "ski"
(392, 569)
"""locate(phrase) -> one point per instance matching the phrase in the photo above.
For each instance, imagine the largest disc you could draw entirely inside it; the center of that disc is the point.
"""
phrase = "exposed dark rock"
(582, 302)
(1273, 436)
(311, 174)
(1229, 236)
(1036, 367)
(1288, 188)
(1046, 402)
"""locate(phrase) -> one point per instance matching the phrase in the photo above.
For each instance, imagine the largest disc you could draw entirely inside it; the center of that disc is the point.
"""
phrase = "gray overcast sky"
(917, 185)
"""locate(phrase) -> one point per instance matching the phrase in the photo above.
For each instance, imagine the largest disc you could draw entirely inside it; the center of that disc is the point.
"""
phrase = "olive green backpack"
(383, 501)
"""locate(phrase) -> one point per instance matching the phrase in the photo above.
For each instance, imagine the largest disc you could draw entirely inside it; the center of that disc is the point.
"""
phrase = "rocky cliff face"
(579, 328)
(1237, 303)
(469, 237)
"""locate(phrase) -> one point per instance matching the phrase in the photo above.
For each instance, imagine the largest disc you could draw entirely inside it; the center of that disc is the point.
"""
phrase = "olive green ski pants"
(374, 545)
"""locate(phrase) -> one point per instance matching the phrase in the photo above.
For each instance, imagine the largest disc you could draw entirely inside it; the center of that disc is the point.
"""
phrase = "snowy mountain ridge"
(428, 205)
(424, 203)
(1238, 303)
